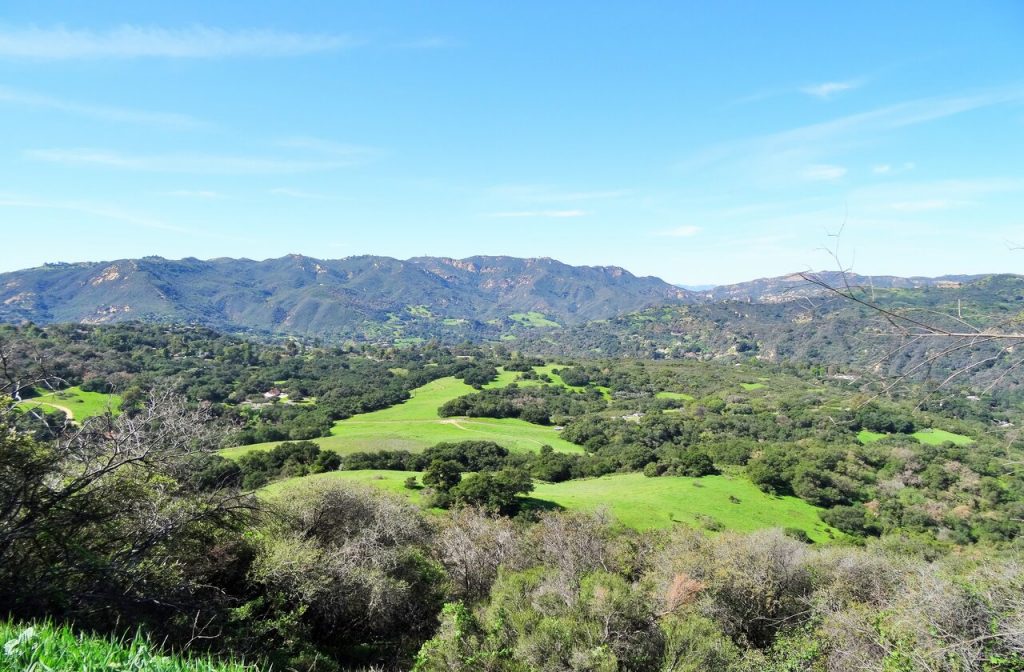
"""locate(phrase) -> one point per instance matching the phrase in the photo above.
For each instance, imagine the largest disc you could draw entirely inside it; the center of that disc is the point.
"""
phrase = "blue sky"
(702, 144)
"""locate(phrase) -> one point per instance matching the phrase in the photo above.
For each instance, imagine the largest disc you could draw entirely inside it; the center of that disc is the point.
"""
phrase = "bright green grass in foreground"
(81, 404)
(414, 425)
(637, 501)
(45, 647)
(932, 437)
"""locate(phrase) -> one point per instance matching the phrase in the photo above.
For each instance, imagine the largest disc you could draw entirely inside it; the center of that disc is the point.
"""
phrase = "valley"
(682, 433)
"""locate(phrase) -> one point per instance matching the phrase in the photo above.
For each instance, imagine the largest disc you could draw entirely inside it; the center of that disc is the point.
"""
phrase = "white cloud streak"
(774, 156)
(196, 42)
(827, 90)
(101, 112)
(824, 173)
(328, 147)
(686, 231)
(97, 210)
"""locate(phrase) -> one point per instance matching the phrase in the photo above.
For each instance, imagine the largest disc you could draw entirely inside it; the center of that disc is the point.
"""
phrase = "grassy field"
(867, 436)
(752, 386)
(77, 403)
(533, 319)
(505, 378)
(648, 503)
(415, 425)
(48, 647)
(674, 395)
(637, 501)
(932, 437)
(391, 481)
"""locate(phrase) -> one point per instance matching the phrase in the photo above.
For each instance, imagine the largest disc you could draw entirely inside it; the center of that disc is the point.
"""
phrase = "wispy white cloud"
(129, 41)
(824, 172)
(97, 210)
(827, 90)
(555, 214)
(933, 196)
(185, 163)
(686, 231)
(773, 156)
(900, 115)
(889, 169)
(102, 112)
(824, 91)
(326, 147)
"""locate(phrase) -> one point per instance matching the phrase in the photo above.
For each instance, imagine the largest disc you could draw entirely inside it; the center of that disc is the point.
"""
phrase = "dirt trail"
(67, 411)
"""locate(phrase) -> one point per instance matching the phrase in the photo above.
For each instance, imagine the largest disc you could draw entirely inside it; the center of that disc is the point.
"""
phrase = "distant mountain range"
(378, 298)
(822, 330)
(794, 286)
(356, 296)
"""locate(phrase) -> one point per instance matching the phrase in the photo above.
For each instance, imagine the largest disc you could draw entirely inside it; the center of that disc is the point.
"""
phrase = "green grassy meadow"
(650, 503)
(750, 387)
(79, 403)
(674, 395)
(414, 425)
(932, 437)
(635, 500)
(390, 481)
(533, 319)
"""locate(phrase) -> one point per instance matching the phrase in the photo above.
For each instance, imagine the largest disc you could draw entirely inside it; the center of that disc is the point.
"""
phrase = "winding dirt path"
(67, 411)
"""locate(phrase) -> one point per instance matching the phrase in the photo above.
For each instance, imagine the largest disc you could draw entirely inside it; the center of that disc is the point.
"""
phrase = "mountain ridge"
(307, 295)
(379, 298)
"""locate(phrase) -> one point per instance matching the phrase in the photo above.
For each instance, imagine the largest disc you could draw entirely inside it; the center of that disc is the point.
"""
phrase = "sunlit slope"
(414, 425)
(639, 502)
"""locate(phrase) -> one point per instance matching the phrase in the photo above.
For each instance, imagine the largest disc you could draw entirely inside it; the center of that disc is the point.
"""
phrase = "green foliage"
(442, 475)
(535, 404)
(608, 625)
(496, 491)
(287, 460)
(44, 646)
(353, 567)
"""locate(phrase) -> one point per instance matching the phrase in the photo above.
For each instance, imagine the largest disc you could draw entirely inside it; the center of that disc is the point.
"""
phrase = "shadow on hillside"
(534, 505)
